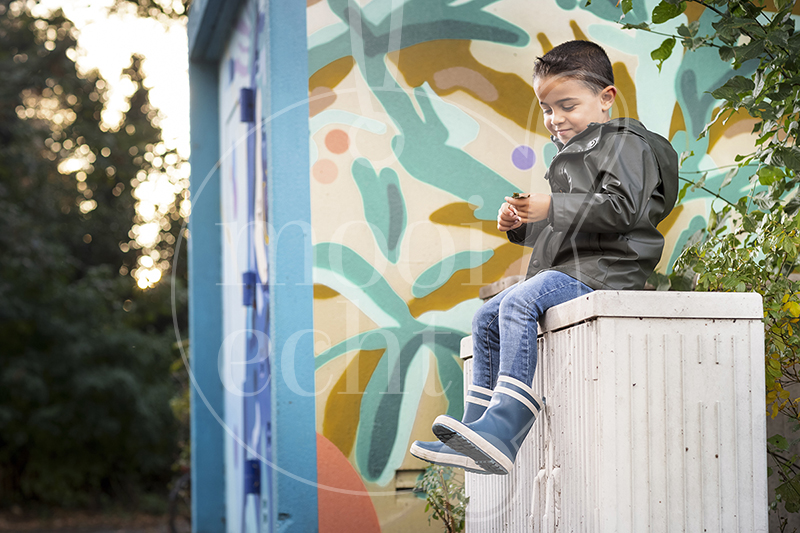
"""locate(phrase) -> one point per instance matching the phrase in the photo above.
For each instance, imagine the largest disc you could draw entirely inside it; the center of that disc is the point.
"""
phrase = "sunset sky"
(106, 43)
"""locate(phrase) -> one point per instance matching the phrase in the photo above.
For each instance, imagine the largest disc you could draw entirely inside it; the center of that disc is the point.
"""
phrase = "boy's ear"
(607, 97)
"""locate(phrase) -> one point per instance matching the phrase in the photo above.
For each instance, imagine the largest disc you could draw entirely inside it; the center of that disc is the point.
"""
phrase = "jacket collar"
(590, 137)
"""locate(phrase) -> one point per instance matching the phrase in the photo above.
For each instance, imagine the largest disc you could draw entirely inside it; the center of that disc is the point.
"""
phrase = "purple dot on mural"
(523, 157)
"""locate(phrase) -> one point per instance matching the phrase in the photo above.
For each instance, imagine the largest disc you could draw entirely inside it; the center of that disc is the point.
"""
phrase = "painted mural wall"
(422, 118)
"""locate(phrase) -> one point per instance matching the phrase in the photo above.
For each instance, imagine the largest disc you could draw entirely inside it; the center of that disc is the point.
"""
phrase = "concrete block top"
(647, 304)
(492, 289)
(655, 304)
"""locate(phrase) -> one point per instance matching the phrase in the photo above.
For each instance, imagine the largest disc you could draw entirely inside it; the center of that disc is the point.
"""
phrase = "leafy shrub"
(444, 491)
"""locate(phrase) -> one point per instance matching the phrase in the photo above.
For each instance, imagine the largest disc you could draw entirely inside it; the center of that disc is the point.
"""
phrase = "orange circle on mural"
(325, 171)
(337, 141)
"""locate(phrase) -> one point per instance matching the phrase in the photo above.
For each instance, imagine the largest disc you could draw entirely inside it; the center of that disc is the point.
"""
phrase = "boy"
(612, 182)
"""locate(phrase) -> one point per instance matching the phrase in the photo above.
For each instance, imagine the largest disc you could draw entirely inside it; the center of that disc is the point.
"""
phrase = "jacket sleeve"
(626, 177)
(527, 234)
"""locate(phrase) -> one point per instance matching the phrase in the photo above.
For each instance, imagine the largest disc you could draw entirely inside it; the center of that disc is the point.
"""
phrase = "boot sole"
(447, 459)
(467, 442)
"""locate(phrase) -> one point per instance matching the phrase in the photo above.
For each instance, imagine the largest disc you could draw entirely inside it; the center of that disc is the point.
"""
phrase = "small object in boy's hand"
(518, 195)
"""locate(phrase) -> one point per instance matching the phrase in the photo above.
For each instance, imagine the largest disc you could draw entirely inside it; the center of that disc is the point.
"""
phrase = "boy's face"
(569, 105)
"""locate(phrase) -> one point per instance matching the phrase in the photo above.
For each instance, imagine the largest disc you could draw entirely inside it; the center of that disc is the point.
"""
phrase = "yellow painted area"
(422, 62)
(342, 410)
(322, 83)
(331, 74)
(740, 122)
(677, 123)
(461, 213)
(625, 105)
(577, 32)
(693, 11)
(465, 284)
(520, 266)
(544, 42)
(666, 225)
(323, 292)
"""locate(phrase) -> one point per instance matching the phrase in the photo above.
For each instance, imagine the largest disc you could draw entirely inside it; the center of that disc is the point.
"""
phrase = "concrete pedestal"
(654, 420)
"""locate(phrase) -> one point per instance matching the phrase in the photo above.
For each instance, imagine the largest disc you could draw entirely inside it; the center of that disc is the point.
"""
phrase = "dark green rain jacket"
(611, 186)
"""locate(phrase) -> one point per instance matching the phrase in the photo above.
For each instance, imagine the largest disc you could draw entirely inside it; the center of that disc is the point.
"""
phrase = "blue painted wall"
(256, 464)
(205, 306)
(294, 440)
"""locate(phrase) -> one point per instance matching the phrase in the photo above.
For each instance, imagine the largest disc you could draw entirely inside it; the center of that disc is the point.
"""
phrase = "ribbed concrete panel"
(504, 502)
(650, 425)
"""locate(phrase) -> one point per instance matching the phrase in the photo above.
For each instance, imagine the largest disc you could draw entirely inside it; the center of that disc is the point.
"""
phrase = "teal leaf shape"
(381, 436)
(384, 206)
(437, 275)
(422, 21)
(355, 269)
(423, 151)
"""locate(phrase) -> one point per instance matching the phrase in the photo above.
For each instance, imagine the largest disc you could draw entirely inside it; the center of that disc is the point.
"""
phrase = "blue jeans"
(504, 330)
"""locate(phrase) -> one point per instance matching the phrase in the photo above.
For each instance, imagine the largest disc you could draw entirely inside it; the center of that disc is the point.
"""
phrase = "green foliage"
(756, 252)
(181, 408)
(753, 244)
(788, 491)
(667, 11)
(663, 52)
(756, 249)
(444, 491)
(85, 384)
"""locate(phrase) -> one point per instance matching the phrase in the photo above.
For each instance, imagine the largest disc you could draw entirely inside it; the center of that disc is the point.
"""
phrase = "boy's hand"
(507, 218)
(532, 209)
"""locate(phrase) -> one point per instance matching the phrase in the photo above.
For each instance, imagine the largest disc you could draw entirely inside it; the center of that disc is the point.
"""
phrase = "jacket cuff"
(517, 235)
(527, 233)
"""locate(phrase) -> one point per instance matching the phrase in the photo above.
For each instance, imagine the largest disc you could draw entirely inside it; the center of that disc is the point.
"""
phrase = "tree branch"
(712, 193)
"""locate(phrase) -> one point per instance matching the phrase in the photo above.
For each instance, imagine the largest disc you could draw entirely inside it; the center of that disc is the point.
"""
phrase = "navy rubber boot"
(493, 440)
(438, 453)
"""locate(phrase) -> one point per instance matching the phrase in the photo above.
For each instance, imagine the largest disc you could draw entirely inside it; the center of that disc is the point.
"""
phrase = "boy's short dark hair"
(580, 60)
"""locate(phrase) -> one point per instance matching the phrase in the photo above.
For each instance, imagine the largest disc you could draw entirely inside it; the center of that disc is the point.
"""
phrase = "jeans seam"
(575, 285)
(489, 348)
(527, 340)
